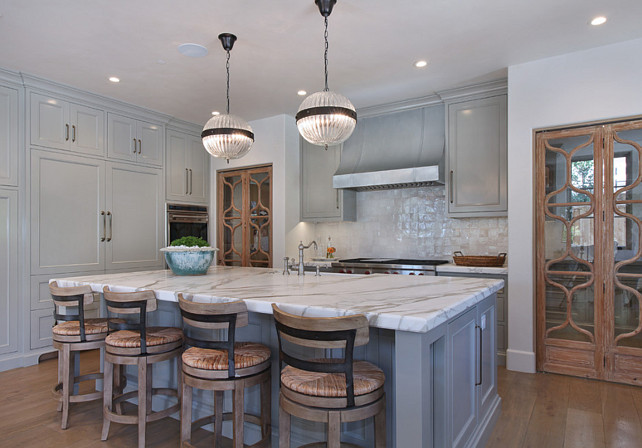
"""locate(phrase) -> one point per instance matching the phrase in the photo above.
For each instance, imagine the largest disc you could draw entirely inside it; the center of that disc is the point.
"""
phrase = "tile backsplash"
(410, 223)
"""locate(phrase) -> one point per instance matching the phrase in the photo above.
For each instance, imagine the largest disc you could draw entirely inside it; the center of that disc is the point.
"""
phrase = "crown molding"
(497, 87)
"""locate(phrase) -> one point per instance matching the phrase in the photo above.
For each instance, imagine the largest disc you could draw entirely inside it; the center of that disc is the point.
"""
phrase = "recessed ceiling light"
(302, 93)
(599, 20)
(114, 79)
(192, 50)
(216, 113)
(421, 64)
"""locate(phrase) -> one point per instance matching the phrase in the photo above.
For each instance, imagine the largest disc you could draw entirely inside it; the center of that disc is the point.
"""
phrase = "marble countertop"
(452, 267)
(396, 302)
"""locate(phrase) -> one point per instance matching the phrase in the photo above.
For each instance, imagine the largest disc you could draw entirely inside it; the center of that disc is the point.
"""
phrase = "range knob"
(367, 272)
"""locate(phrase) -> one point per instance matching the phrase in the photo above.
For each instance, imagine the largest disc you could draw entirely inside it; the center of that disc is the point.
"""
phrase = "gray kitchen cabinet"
(56, 123)
(8, 271)
(472, 378)
(134, 140)
(8, 136)
(187, 168)
(319, 200)
(477, 174)
(501, 310)
(135, 233)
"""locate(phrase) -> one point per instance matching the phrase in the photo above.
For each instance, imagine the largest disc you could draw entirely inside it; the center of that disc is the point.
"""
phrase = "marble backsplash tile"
(410, 223)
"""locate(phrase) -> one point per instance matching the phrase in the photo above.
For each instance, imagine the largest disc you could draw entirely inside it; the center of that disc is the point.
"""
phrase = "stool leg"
(186, 413)
(334, 429)
(284, 428)
(218, 418)
(108, 384)
(117, 372)
(380, 426)
(142, 400)
(67, 384)
(150, 389)
(266, 404)
(59, 384)
(238, 411)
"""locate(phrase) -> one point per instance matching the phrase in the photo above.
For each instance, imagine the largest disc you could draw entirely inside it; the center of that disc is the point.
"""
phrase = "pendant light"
(226, 135)
(326, 118)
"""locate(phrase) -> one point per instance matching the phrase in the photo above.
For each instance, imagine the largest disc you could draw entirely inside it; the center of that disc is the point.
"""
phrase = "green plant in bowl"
(189, 255)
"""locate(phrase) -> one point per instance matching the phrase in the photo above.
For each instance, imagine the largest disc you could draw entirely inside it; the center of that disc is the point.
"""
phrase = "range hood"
(397, 150)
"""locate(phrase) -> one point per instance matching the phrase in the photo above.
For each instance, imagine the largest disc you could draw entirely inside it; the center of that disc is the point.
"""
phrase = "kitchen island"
(434, 338)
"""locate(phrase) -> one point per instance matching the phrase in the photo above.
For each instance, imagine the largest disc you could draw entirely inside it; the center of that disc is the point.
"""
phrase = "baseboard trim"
(17, 360)
(520, 361)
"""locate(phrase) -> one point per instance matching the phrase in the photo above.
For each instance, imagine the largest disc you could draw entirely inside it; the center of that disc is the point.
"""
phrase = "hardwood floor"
(538, 411)
(557, 411)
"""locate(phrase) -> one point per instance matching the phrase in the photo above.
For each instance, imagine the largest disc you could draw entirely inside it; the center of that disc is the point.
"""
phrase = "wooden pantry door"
(589, 275)
(244, 216)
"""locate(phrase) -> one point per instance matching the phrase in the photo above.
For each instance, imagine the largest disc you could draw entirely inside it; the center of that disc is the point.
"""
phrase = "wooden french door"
(244, 216)
(589, 258)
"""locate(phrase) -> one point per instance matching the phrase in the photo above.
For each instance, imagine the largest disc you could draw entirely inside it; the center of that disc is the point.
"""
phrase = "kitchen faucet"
(301, 247)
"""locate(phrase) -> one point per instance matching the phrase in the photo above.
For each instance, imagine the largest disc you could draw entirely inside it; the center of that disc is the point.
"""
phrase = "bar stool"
(134, 343)
(221, 364)
(329, 390)
(72, 333)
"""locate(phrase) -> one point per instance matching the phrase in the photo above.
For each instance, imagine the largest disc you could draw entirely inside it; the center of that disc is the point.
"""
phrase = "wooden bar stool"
(329, 390)
(134, 343)
(221, 364)
(72, 333)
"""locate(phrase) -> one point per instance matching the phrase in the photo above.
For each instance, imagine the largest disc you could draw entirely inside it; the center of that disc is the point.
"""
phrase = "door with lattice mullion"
(569, 233)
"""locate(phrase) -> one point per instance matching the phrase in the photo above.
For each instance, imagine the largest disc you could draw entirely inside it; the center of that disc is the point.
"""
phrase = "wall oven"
(186, 220)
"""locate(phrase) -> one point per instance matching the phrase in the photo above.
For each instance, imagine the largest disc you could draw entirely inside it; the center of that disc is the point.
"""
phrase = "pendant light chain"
(325, 56)
(227, 67)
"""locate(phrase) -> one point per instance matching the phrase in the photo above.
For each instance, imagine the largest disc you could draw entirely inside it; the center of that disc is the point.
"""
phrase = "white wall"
(595, 84)
(276, 141)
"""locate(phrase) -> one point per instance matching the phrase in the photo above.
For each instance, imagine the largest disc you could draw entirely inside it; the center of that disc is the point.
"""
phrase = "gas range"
(386, 266)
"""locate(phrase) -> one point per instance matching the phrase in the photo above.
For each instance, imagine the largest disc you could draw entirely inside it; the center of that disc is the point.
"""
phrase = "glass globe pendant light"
(226, 135)
(326, 118)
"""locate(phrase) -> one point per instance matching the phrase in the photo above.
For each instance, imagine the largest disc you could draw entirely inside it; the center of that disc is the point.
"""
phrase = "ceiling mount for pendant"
(326, 118)
(226, 135)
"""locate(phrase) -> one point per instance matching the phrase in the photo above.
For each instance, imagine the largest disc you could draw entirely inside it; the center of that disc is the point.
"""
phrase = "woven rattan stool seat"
(154, 336)
(246, 354)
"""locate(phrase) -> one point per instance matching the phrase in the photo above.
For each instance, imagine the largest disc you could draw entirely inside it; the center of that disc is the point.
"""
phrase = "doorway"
(588, 257)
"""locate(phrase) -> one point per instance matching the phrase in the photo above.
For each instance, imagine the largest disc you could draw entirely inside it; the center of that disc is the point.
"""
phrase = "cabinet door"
(150, 145)
(87, 129)
(176, 172)
(122, 142)
(8, 271)
(487, 362)
(8, 136)
(50, 122)
(477, 157)
(199, 166)
(67, 228)
(135, 231)
(462, 337)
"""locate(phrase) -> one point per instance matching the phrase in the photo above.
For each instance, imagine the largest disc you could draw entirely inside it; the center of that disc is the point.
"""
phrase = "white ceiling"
(373, 45)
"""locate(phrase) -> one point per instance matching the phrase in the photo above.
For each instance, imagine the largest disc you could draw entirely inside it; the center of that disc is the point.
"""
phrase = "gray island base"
(434, 337)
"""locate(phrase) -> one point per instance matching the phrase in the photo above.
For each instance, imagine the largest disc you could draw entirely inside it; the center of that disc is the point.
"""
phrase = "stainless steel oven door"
(187, 220)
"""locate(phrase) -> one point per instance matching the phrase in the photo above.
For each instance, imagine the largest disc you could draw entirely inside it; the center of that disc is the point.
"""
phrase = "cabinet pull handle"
(190, 181)
(481, 346)
(73, 133)
(140, 146)
(134, 145)
(104, 237)
(186, 181)
(67, 132)
(111, 226)
(450, 185)
(337, 198)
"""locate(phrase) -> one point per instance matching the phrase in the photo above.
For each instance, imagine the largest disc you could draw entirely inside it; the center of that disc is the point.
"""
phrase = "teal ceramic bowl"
(189, 262)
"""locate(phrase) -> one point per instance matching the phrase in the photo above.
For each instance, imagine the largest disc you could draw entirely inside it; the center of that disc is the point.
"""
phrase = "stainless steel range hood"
(403, 149)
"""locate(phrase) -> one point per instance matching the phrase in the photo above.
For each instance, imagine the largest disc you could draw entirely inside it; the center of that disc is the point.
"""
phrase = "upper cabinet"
(319, 200)
(476, 183)
(187, 168)
(56, 123)
(134, 140)
(8, 136)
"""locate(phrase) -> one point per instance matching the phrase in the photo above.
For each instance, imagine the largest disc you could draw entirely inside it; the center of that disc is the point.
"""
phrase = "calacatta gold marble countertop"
(395, 302)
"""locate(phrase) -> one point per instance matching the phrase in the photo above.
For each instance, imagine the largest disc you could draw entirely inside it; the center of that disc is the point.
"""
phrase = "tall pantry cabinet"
(96, 191)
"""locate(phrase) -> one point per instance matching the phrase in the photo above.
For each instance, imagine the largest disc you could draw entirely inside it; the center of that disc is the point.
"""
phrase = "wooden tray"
(479, 260)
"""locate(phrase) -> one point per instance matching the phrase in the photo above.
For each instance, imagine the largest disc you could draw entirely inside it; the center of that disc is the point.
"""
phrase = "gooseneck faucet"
(301, 247)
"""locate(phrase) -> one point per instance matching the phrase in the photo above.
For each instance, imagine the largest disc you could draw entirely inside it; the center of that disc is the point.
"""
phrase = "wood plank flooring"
(538, 411)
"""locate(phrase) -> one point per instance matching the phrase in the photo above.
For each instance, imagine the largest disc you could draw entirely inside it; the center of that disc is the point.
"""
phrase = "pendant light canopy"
(227, 135)
(326, 118)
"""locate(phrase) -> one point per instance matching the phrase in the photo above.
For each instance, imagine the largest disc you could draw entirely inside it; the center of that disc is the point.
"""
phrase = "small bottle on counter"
(330, 250)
